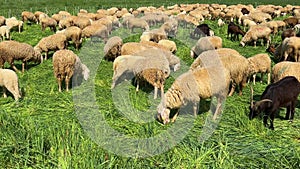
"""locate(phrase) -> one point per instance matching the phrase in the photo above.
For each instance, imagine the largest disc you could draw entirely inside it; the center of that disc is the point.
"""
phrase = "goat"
(283, 93)
(234, 29)
(201, 30)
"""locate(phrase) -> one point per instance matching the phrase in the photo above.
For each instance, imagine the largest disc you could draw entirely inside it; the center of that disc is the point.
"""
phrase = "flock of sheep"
(215, 72)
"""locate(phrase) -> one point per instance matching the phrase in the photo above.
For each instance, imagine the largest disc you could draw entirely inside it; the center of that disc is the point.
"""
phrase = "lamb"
(287, 33)
(112, 48)
(13, 50)
(283, 93)
(9, 81)
(154, 69)
(73, 33)
(236, 64)
(28, 16)
(255, 33)
(48, 22)
(234, 29)
(51, 43)
(260, 63)
(291, 49)
(285, 68)
(190, 87)
(67, 65)
(170, 45)
(206, 43)
(137, 23)
(13, 22)
(5, 32)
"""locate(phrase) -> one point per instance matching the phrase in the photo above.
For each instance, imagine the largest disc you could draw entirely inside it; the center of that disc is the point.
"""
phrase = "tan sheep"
(112, 48)
(260, 63)
(9, 81)
(170, 45)
(28, 16)
(137, 23)
(154, 35)
(65, 22)
(2, 20)
(13, 50)
(285, 68)
(73, 33)
(4, 32)
(51, 43)
(93, 31)
(190, 87)
(206, 43)
(48, 22)
(291, 49)
(255, 33)
(13, 22)
(67, 65)
(81, 22)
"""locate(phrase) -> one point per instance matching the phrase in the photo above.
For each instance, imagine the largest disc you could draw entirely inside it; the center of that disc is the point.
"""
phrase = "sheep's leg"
(23, 66)
(242, 85)
(219, 104)
(269, 78)
(14, 67)
(59, 83)
(155, 92)
(233, 86)
(4, 92)
(174, 117)
(254, 76)
(195, 109)
(137, 85)
(14, 92)
(162, 91)
(67, 80)
(254, 43)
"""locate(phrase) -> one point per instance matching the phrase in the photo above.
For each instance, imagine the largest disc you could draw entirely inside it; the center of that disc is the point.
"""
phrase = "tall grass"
(46, 129)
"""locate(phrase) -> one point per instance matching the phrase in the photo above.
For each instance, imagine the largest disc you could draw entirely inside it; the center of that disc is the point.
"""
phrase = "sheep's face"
(163, 114)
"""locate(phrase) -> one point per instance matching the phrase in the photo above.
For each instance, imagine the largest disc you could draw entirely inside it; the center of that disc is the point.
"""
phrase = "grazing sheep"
(154, 69)
(73, 33)
(2, 20)
(154, 35)
(260, 63)
(112, 48)
(51, 43)
(285, 68)
(81, 22)
(248, 23)
(9, 81)
(190, 87)
(13, 50)
(283, 93)
(48, 22)
(4, 32)
(287, 33)
(13, 22)
(137, 23)
(170, 45)
(255, 33)
(236, 64)
(291, 21)
(234, 29)
(220, 22)
(93, 31)
(206, 43)
(291, 49)
(28, 16)
(67, 65)
(65, 22)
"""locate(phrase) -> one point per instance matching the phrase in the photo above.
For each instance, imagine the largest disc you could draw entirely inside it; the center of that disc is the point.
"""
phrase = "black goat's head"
(257, 107)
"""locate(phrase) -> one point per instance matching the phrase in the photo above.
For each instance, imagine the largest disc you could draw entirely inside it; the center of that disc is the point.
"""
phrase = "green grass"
(48, 129)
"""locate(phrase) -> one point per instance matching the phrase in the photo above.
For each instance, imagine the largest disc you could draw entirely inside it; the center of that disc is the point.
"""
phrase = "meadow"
(93, 126)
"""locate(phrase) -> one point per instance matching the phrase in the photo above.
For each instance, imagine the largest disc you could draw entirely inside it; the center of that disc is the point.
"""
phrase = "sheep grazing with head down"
(28, 16)
(255, 33)
(112, 48)
(51, 43)
(170, 45)
(260, 63)
(190, 87)
(285, 68)
(4, 32)
(13, 50)
(13, 22)
(150, 67)
(67, 65)
(48, 22)
(9, 81)
(290, 49)
(206, 43)
(73, 33)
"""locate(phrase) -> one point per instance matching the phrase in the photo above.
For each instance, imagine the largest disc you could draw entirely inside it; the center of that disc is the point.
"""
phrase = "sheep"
(154, 69)
(236, 64)
(65, 22)
(13, 50)
(234, 29)
(287, 33)
(260, 63)
(296, 27)
(255, 33)
(153, 35)
(5, 32)
(93, 31)
(2, 20)
(48, 22)
(13, 22)
(51, 43)
(220, 22)
(291, 21)
(137, 23)
(190, 87)
(9, 81)
(291, 49)
(285, 68)
(112, 48)
(74, 34)
(81, 22)
(248, 23)
(170, 45)
(283, 93)
(28, 16)
(67, 65)
(204, 44)
(106, 22)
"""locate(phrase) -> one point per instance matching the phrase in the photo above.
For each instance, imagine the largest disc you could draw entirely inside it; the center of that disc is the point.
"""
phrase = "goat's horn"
(266, 100)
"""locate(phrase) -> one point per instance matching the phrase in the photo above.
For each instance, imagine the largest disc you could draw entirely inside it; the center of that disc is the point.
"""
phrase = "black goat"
(283, 93)
(235, 30)
(200, 31)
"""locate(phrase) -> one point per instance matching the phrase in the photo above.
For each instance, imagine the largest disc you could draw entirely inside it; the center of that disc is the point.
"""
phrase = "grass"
(93, 127)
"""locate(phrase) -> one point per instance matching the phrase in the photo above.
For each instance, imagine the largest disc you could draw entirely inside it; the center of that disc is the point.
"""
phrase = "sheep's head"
(163, 113)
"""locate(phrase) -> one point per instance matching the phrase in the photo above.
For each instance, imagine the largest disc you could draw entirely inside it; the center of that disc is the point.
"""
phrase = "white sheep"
(13, 50)
(285, 68)
(13, 22)
(190, 87)
(255, 33)
(137, 23)
(206, 43)
(9, 81)
(220, 22)
(67, 65)
(5, 32)
(260, 63)
(154, 70)
(51, 43)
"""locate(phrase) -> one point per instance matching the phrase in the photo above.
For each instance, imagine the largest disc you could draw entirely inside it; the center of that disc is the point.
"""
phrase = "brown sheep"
(48, 22)
(28, 16)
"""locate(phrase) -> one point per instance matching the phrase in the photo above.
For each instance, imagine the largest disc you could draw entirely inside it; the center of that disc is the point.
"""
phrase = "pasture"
(93, 126)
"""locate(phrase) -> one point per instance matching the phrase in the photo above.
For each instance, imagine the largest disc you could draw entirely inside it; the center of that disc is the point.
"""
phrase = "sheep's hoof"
(290, 121)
